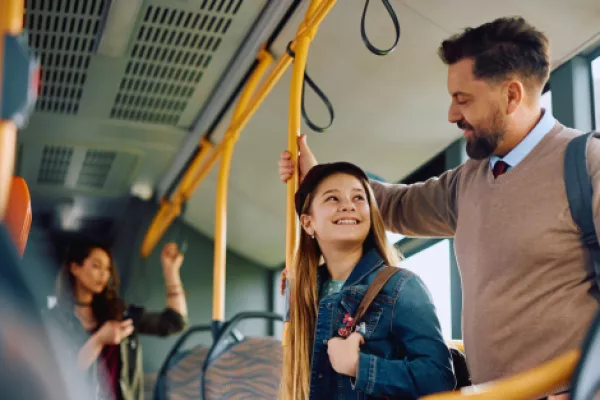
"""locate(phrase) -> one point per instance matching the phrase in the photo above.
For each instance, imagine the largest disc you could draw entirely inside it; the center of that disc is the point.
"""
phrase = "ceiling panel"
(106, 123)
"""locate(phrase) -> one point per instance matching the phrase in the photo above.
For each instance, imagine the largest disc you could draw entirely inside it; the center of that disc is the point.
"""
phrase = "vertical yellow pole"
(264, 61)
(11, 23)
(306, 33)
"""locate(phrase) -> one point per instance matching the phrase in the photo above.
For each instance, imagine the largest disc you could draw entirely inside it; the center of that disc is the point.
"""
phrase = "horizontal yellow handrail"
(308, 27)
(529, 385)
(458, 344)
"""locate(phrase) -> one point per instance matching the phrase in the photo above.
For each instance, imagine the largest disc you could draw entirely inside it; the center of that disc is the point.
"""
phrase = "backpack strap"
(382, 277)
(579, 193)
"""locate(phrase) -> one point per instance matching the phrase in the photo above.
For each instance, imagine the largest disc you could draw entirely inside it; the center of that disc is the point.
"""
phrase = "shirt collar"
(516, 155)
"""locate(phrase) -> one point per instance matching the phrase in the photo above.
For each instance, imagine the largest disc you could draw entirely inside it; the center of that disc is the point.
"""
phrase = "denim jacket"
(404, 355)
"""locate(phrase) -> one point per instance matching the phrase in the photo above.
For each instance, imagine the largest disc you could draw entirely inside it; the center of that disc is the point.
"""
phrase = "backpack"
(579, 193)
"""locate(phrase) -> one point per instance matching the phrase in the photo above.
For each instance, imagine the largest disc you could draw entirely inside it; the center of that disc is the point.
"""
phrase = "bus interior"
(157, 121)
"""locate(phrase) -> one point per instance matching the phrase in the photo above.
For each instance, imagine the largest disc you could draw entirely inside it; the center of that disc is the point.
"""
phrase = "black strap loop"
(363, 29)
(308, 81)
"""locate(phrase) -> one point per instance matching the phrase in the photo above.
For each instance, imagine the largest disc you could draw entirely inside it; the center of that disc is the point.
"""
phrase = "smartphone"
(183, 247)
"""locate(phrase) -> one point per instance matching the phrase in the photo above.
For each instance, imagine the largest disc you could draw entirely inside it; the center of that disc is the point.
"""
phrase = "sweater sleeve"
(159, 323)
(426, 209)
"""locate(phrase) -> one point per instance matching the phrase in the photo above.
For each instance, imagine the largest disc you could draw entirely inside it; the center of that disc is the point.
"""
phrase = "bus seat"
(180, 376)
(250, 369)
(18, 213)
(184, 377)
(586, 381)
(149, 384)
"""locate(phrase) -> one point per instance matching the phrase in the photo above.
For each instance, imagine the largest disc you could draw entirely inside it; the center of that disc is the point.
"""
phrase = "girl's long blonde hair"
(304, 298)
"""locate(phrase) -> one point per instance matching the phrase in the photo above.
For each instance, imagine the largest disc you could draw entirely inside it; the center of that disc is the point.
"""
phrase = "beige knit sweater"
(526, 276)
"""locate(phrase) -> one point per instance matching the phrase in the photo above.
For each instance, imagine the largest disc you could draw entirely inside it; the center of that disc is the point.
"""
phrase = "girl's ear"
(73, 268)
(306, 222)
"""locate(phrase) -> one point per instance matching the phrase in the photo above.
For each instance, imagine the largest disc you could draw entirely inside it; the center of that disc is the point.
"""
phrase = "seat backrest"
(184, 377)
(18, 213)
(250, 369)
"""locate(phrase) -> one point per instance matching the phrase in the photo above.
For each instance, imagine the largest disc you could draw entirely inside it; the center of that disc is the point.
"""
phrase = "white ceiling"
(390, 111)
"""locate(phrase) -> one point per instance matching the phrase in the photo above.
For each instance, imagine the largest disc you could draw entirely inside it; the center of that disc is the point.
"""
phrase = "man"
(528, 286)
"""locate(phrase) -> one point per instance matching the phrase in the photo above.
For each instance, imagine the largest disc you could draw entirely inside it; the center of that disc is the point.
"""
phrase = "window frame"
(591, 57)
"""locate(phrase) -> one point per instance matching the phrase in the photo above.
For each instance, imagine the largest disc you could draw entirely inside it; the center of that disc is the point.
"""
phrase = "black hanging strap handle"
(363, 29)
(308, 81)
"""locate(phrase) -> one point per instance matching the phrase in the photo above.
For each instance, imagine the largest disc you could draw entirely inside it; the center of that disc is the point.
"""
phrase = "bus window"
(596, 78)
(433, 267)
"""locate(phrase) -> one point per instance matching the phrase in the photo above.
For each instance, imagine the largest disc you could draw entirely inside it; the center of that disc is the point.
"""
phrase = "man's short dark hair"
(504, 48)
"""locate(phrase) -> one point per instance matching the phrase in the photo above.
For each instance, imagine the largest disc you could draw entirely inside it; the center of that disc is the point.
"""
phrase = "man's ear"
(514, 92)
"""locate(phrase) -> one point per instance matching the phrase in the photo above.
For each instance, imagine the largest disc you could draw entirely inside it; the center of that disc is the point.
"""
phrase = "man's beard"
(484, 141)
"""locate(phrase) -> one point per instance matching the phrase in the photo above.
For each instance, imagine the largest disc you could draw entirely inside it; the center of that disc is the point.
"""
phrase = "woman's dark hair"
(106, 305)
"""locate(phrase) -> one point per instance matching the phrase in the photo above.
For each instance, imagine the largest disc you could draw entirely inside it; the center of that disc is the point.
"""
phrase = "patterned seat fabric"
(250, 369)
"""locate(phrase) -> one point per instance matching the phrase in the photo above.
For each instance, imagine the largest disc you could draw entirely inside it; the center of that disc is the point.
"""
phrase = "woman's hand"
(344, 354)
(113, 332)
(171, 260)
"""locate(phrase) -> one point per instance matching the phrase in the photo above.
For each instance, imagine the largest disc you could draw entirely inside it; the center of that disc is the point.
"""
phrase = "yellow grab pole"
(219, 267)
(315, 14)
(11, 23)
(533, 384)
(167, 212)
(188, 178)
(261, 93)
(170, 209)
(310, 24)
(155, 231)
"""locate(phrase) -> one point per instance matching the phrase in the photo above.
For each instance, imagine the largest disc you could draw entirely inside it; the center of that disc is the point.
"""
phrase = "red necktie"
(499, 168)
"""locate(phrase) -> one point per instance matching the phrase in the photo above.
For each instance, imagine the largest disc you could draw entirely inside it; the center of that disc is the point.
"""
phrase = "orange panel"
(18, 213)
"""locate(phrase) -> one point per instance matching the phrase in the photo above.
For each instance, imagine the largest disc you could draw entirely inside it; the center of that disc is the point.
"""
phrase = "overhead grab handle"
(319, 93)
(363, 29)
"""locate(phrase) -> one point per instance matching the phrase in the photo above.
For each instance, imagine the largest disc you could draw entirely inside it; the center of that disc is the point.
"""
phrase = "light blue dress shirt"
(516, 155)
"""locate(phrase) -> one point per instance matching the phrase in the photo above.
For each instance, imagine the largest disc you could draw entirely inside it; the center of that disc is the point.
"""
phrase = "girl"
(398, 350)
(88, 306)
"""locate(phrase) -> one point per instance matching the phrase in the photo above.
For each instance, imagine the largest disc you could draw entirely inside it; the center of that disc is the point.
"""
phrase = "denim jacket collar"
(370, 261)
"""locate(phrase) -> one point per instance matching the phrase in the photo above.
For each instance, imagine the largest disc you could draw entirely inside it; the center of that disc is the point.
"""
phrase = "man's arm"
(426, 209)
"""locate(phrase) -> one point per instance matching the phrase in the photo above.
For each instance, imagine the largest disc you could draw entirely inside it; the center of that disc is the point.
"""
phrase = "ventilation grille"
(172, 50)
(95, 169)
(54, 165)
(64, 34)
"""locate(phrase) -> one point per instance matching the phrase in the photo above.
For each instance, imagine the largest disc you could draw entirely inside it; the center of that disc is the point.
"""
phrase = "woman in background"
(105, 327)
